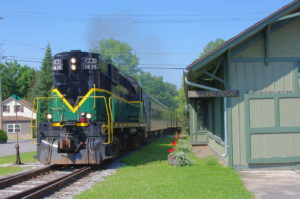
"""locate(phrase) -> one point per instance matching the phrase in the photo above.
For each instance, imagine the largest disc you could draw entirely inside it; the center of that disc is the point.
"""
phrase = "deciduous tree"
(16, 79)
(211, 46)
(155, 86)
(119, 54)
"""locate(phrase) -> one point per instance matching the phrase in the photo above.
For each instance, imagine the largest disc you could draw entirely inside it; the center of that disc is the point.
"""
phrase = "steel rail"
(18, 178)
(48, 187)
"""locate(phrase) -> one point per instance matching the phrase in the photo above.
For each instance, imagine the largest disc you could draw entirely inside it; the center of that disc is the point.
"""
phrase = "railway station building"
(244, 96)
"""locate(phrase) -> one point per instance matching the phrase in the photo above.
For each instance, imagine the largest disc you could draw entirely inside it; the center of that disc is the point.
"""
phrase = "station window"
(13, 128)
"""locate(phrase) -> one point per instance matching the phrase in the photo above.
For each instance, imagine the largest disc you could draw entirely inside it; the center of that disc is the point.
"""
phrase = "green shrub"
(3, 135)
(184, 146)
(179, 158)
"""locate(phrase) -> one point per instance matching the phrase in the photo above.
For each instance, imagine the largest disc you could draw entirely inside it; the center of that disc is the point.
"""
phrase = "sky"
(162, 33)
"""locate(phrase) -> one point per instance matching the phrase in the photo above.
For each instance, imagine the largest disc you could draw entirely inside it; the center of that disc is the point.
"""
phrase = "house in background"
(244, 96)
(17, 115)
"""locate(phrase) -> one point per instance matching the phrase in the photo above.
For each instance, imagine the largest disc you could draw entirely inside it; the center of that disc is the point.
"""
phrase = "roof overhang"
(223, 50)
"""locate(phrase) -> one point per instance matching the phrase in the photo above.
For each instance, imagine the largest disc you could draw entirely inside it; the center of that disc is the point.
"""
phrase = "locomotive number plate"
(89, 66)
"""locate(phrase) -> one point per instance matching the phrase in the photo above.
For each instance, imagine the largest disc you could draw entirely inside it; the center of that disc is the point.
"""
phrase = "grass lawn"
(25, 157)
(10, 169)
(148, 175)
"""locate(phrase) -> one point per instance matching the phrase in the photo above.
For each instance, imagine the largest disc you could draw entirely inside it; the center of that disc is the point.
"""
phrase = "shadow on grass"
(153, 152)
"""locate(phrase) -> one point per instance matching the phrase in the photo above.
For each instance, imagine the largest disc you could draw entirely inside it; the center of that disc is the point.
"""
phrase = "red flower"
(174, 137)
(174, 142)
(170, 150)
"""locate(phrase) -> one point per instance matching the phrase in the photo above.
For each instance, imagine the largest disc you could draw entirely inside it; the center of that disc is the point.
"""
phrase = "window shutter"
(22, 108)
(8, 107)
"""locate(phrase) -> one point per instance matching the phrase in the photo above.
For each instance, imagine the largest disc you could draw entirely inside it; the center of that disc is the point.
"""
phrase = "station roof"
(283, 13)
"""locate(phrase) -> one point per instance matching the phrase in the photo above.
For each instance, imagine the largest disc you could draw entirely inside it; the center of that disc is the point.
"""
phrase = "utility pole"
(1, 111)
(17, 146)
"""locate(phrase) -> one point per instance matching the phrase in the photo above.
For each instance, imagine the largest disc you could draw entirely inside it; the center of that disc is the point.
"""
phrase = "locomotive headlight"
(88, 116)
(73, 60)
(49, 116)
(73, 67)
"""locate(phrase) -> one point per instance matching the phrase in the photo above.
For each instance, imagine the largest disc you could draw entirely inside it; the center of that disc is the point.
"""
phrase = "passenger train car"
(94, 112)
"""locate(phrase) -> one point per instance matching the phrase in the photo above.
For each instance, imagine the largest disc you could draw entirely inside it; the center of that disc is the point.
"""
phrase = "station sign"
(202, 94)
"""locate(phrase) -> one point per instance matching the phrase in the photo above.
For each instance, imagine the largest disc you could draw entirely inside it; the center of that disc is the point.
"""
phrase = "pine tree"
(43, 83)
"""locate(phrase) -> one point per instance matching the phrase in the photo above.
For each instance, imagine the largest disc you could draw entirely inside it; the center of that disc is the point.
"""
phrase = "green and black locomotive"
(94, 112)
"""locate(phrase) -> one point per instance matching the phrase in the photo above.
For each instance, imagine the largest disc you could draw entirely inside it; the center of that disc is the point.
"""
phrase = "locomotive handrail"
(109, 120)
(107, 108)
(94, 96)
(111, 116)
(35, 104)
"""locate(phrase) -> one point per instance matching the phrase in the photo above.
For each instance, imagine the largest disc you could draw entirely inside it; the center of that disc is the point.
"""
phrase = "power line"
(22, 60)
(135, 18)
(17, 57)
(31, 45)
(24, 44)
(177, 21)
(160, 68)
(26, 59)
(18, 12)
(143, 64)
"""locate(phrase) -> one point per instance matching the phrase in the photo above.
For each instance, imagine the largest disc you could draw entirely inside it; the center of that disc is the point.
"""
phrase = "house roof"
(14, 118)
(19, 99)
(288, 9)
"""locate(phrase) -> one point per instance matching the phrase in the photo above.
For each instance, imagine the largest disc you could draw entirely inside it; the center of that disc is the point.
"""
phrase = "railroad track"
(39, 182)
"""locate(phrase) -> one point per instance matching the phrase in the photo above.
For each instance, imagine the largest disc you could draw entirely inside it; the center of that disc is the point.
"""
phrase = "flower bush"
(181, 159)
(184, 146)
(179, 154)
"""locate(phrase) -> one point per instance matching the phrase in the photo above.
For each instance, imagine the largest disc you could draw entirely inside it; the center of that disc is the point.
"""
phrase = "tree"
(16, 79)
(211, 46)
(181, 110)
(119, 54)
(180, 98)
(43, 83)
(158, 89)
